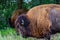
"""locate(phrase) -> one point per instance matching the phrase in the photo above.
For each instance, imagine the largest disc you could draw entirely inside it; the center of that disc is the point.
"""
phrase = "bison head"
(22, 24)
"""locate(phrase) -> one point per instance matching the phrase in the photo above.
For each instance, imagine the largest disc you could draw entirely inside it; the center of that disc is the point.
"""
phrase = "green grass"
(10, 34)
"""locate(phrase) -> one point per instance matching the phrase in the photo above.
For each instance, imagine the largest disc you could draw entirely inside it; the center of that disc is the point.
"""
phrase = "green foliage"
(8, 31)
(48, 1)
(32, 3)
(6, 9)
(26, 6)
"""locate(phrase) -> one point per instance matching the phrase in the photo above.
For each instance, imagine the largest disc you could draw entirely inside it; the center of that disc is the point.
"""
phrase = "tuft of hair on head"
(23, 20)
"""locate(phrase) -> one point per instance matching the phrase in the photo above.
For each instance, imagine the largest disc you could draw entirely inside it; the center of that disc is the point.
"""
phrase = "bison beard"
(40, 21)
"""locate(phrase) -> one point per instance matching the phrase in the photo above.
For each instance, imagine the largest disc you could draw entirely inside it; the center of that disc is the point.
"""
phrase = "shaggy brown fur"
(40, 22)
(39, 19)
(15, 15)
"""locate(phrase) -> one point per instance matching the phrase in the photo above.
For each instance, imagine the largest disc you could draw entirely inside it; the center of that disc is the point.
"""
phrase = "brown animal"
(40, 21)
(15, 14)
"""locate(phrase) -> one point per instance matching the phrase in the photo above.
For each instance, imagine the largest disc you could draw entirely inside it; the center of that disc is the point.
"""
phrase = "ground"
(10, 34)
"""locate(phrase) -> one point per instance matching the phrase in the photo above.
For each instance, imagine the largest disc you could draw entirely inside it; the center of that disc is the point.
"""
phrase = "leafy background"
(7, 7)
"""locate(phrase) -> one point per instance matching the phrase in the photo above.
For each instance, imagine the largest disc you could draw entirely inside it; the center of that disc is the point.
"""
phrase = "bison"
(39, 22)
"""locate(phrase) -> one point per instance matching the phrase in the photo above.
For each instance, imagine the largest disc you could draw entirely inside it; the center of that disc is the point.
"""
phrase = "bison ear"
(24, 21)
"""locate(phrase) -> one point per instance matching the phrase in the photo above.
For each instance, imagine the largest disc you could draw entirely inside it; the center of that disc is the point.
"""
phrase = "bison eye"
(22, 22)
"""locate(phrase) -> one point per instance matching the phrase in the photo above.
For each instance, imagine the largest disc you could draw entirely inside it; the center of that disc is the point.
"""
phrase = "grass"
(10, 34)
